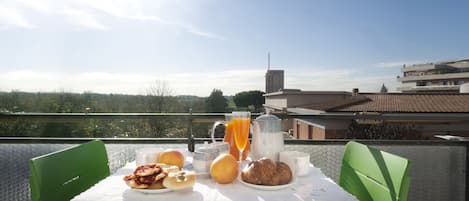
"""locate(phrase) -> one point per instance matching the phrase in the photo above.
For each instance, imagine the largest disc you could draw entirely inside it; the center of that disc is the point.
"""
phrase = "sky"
(129, 46)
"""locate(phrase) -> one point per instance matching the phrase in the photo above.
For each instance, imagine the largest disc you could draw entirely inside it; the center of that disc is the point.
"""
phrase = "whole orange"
(171, 157)
(224, 169)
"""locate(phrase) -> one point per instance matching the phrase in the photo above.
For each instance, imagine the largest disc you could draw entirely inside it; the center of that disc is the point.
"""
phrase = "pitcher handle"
(214, 127)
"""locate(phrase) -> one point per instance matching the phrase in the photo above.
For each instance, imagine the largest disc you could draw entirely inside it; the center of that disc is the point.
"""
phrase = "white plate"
(152, 191)
(267, 188)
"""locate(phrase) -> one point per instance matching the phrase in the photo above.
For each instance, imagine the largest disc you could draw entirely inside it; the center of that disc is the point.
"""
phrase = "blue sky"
(125, 46)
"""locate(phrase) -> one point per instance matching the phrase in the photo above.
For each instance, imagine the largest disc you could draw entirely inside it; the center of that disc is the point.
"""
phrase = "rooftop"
(398, 102)
(300, 92)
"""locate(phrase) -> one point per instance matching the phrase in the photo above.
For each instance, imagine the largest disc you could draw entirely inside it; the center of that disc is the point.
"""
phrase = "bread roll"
(168, 168)
(284, 173)
(267, 172)
(179, 180)
(273, 181)
(250, 172)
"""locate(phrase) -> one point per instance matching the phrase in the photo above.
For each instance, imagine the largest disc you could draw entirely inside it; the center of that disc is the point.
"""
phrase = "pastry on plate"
(267, 172)
(146, 176)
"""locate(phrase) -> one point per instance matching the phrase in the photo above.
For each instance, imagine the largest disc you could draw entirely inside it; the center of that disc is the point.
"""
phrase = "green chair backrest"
(374, 175)
(64, 174)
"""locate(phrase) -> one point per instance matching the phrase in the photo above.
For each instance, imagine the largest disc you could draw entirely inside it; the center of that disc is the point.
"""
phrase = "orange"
(171, 157)
(224, 169)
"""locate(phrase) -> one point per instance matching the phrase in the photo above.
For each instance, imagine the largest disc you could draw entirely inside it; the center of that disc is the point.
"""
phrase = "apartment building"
(445, 76)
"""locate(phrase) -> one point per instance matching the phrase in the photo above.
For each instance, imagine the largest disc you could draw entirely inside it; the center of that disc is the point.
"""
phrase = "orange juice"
(228, 131)
(230, 139)
(240, 128)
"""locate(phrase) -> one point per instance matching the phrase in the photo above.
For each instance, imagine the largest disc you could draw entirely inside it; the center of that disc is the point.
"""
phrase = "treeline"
(91, 102)
(157, 100)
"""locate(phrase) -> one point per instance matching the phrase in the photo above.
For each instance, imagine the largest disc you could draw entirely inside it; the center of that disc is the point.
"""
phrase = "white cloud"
(133, 10)
(10, 16)
(39, 5)
(338, 80)
(82, 18)
(397, 64)
(85, 13)
(201, 84)
(203, 33)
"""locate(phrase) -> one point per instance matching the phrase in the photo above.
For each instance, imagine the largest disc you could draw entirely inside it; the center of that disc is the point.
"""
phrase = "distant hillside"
(92, 102)
(63, 102)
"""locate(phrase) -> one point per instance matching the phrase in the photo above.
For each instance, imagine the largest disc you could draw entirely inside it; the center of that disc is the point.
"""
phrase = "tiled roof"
(325, 106)
(402, 102)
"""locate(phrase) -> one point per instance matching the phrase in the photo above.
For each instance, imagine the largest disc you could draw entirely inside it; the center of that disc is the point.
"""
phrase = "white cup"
(145, 156)
(298, 161)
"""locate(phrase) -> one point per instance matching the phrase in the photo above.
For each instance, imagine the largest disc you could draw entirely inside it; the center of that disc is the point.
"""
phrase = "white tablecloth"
(313, 187)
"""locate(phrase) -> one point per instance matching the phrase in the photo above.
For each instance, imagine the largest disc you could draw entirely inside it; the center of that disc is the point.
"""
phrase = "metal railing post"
(467, 170)
(190, 136)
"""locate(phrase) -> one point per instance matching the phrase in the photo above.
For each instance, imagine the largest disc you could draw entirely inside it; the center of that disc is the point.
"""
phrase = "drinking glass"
(240, 126)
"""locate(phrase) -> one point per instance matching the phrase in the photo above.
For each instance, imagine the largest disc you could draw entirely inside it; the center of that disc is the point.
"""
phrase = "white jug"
(267, 137)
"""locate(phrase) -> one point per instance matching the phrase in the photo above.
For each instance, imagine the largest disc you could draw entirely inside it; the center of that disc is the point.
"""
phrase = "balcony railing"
(439, 169)
(429, 88)
(434, 77)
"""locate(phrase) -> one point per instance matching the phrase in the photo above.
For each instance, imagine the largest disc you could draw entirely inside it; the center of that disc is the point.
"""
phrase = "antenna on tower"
(268, 60)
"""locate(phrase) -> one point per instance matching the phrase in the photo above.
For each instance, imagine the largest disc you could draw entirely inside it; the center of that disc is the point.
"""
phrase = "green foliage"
(216, 102)
(157, 100)
(384, 131)
(231, 104)
(251, 100)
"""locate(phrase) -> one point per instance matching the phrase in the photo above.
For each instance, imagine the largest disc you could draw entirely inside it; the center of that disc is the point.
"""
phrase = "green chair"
(374, 175)
(64, 174)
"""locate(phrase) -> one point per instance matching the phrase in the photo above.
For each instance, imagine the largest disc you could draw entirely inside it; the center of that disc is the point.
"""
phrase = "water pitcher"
(267, 137)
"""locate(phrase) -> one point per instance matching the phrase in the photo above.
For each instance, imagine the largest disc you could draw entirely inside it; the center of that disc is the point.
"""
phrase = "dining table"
(315, 186)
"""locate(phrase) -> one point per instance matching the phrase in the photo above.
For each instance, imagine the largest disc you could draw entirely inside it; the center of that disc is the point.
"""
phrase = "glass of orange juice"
(240, 126)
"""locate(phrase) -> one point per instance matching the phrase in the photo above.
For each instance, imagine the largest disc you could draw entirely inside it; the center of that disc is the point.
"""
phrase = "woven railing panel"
(15, 164)
(437, 172)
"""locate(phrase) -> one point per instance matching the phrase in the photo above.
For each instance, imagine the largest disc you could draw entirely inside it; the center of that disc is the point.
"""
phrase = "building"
(446, 76)
(274, 81)
(333, 113)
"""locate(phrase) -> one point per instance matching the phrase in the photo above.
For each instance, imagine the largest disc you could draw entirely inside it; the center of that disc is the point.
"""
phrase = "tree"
(216, 102)
(384, 89)
(250, 98)
(159, 101)
(158, 94)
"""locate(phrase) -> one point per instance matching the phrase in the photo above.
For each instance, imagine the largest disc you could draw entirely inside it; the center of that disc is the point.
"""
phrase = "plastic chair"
(374, 175)
(64, 174)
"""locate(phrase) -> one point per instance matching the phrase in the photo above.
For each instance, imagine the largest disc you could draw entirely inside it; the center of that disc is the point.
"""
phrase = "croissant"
(266, 172)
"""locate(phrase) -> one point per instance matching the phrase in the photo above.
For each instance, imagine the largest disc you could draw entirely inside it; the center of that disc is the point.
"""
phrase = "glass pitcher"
(229, 137)
(267, 137)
